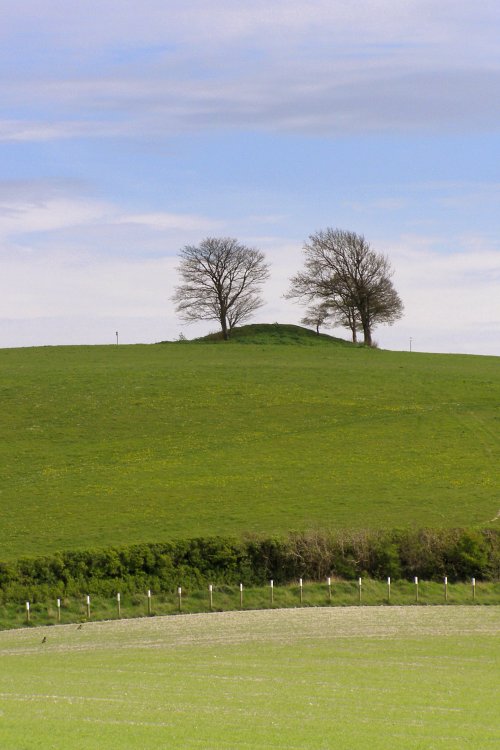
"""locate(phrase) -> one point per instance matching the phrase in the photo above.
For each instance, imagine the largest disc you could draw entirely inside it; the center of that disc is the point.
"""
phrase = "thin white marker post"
(446, 588)
(58, 610)
(210, 596)
(179, 594)
(241, 596)
(149, 601)
(473, 589)
(119, 605)
(329, 583)
(300, 586)
(272, 590)
(388, 589)
(416, 589)
(27, 611)
(88, 607)
(359, 590)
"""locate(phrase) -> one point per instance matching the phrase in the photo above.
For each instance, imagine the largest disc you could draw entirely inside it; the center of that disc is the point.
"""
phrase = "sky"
(129, 130)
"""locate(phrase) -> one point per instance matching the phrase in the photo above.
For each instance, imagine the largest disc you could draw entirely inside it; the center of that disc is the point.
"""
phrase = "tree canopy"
(221, 280)
(348, 280)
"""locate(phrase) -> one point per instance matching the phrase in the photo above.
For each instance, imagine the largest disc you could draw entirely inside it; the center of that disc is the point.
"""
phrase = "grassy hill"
(122, 444)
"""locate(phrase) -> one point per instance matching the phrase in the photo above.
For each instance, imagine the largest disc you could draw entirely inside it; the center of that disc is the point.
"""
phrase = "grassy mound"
(274, 333)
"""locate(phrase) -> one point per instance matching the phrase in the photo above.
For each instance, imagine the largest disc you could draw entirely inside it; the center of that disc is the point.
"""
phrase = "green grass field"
(122, 444)
(418, 678)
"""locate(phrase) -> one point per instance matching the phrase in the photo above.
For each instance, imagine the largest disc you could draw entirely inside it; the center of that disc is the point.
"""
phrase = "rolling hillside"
(274, 431)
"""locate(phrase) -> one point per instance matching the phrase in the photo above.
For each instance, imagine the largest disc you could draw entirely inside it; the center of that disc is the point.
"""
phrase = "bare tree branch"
(221, 280)
(344, 273)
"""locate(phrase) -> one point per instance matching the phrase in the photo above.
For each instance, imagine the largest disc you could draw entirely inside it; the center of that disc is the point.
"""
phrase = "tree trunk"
(365, 322)
(367, 334)
(223, 323)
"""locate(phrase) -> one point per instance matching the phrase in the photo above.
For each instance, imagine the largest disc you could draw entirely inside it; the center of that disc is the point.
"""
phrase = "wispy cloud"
(36, 214)
(324, 68)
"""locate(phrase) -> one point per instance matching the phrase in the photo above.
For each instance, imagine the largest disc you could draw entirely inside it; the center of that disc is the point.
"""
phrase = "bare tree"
(343, 272)
(316, 315)
(221, 280)
(332, 314)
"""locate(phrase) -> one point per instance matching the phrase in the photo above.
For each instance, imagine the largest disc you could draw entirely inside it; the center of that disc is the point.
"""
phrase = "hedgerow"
(429, 554)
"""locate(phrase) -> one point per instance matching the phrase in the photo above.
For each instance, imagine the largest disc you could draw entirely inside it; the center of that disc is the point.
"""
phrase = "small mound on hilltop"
(274, 333)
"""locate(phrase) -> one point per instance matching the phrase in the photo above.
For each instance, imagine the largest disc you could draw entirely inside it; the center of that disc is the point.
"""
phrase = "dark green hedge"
(429, 554)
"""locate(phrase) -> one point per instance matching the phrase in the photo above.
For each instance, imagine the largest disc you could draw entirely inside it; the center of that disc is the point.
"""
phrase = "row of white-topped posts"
(271, 590)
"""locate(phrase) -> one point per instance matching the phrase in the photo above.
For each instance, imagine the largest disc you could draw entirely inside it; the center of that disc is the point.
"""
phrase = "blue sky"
(128, 131)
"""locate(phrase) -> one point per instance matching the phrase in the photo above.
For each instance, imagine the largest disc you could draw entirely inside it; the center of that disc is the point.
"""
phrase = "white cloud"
(161, 222)
(52, 214)
(451, 299)
(63, 220)
(120, 23)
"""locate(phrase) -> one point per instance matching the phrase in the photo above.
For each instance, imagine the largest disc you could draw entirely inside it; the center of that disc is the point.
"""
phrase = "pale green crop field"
(350, 678)
(128, 444)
